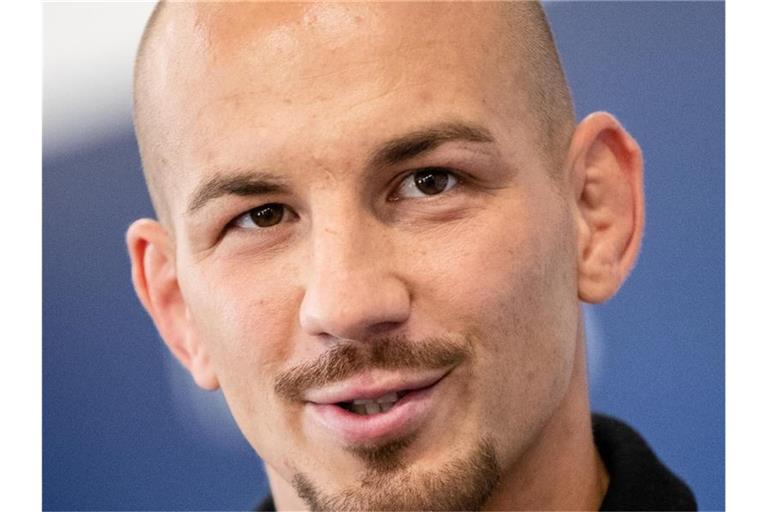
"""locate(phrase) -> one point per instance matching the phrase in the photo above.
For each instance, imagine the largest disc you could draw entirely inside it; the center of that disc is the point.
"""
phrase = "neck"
(562, 469)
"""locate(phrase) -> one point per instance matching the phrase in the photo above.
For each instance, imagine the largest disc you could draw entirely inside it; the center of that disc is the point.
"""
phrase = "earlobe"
(153, 271)
(606, 169)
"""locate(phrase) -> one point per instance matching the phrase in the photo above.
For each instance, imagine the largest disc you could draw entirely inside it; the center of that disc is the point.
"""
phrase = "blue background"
(123, 428)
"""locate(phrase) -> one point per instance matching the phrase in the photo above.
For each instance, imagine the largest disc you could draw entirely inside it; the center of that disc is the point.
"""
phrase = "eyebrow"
(421, 141)
(242, 183)
(251, 183)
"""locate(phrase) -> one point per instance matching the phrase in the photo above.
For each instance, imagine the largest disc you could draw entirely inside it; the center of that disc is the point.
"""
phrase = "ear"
(606, 169)
(153, 270)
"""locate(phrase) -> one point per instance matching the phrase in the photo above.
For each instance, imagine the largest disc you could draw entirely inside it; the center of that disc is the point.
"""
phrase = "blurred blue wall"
(120, 429)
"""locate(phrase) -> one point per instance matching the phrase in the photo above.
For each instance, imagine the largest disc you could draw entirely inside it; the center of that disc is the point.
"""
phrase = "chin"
(393, 476)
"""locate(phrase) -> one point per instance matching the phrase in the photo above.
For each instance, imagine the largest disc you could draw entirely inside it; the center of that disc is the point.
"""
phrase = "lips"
(372, 386)
(374, 407)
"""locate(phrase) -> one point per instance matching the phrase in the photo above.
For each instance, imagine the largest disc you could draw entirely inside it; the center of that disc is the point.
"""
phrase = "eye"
(264, 216)
(429, 181)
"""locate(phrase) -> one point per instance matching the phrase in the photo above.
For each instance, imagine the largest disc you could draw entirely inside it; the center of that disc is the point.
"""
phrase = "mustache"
(345, 360)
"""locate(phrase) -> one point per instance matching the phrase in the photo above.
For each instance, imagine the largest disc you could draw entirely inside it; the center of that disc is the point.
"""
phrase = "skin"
(498, 263)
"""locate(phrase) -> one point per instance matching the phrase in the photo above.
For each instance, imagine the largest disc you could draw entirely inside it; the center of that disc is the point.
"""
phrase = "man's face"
(375, 218)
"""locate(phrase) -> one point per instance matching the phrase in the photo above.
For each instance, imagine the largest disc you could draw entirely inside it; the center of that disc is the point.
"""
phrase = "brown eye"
(263, 216)
(426, 182)
(431, 181)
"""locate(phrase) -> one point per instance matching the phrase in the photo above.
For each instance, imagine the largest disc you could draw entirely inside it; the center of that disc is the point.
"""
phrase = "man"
(376, 223)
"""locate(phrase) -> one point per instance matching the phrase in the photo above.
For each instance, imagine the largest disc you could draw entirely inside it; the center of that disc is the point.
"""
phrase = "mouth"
(370, 410)
(378, 405)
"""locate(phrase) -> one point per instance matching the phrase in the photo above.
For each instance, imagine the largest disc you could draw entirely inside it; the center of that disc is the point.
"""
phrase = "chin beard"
(464, 483)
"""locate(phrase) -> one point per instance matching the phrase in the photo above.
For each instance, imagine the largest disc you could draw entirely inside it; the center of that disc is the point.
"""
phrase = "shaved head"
(183, 42)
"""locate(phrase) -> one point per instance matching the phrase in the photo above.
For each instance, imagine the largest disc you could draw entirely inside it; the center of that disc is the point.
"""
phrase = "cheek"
(238, 311)
(510, 287)
(245, 317)
(504, 273)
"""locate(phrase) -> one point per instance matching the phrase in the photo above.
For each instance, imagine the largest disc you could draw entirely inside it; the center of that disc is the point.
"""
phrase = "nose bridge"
(344, 243)
(352, 287)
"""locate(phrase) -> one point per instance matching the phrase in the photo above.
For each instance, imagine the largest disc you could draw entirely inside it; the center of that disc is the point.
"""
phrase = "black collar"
(638, 479)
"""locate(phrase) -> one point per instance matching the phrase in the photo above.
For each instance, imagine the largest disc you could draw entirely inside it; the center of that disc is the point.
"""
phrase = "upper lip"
(370, 385)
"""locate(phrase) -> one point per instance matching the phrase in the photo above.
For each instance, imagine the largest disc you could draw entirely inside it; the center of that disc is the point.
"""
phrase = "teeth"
(375, 406)
(390, 398)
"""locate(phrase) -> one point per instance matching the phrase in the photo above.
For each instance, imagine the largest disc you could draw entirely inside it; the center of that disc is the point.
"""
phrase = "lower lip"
(406, 416)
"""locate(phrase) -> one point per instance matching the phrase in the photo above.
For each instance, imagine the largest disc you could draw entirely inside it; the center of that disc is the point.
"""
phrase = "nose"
(353, 290)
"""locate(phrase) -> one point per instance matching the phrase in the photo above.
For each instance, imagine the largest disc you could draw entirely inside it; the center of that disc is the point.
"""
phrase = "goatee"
(464, 483)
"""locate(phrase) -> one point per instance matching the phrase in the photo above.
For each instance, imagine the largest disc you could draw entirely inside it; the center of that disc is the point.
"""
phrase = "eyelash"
(246, 215)
(452, 175)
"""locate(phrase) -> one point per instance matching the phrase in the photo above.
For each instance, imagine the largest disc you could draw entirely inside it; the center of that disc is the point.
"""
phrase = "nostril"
(356, 306)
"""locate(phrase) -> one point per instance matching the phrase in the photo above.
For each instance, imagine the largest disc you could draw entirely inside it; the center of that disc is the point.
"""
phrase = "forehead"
(219, 30)
(251, 78)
